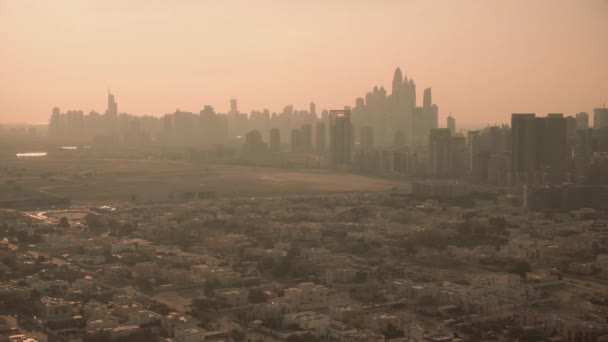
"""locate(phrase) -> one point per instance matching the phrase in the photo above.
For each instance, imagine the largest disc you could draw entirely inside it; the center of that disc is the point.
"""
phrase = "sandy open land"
(118, 179)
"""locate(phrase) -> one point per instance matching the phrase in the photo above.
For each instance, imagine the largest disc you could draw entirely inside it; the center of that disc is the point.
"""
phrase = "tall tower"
(553, 143)
(233, 106)
(313, 109)
(582, 120)
(439, 152)
(427, 99)
(296, 141)
(306, 132)
(320, 137)
(524, 147)
(539, 148)
(112, 106)
(600, 117)
(397, 79)
(451, 124)
(412, 93)
(431, 111)
(340, 137)
(275, 140)
(366, 139)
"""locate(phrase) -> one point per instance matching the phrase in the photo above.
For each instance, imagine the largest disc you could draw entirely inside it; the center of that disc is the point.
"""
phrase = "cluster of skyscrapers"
(382, 134)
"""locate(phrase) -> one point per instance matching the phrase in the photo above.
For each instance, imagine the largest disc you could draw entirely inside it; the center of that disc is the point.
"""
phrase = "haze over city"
(483, 59)
(303, 171)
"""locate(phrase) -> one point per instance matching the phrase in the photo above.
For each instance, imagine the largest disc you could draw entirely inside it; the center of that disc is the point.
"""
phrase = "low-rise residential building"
(308, 320)
(308, 296)
(232, 297)
(55, 309)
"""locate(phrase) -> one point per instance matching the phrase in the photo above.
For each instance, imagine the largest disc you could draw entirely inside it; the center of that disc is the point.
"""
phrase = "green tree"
(96, 223)
(520, 267)
(257, 296)
(63, 223)
(237, 335)
(210, 286)
(392, 332)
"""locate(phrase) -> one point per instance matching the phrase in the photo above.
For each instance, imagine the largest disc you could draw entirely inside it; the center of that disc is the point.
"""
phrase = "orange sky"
(484, 58)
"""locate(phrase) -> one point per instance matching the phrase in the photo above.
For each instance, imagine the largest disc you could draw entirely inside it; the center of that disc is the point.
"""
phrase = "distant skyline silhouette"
(483, 59)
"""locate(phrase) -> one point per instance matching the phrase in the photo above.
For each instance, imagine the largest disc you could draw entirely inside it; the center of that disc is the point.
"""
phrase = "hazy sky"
(484, 58)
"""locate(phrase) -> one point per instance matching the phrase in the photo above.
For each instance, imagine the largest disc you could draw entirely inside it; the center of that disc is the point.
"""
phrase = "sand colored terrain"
(119, 179)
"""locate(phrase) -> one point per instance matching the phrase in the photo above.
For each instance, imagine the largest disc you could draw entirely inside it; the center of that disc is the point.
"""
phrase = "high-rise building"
(439, 152)
(423, 120)
(427, 98)
(571, 133)
(391, 115)
(112, 111)
(474, 150)
(431, 111)
(599, 169)
(320, 137)
(233, 105)
(397, 82)
(399, 139)
(296, 140)
(524, 149)
(57, 123)
(313, 109)
(600, 139)
(306, 132)
(254, 142)
(583, 151)
(359, 103)
(600, 117)
(539, 148)
(111, 114)
(582, 120)
(74, 123)
(213, 127)
(553, 143)
(488, 149)
(366, 138)
(340, 138)
(451, 124)
(275, 140)
(459, 157)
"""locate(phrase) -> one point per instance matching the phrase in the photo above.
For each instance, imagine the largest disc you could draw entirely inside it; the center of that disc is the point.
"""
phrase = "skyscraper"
(451, 124)
(583, 152)
(600, 117)
(427, 98)
(254, 142)
(112, 111)
(524, 149)
(296, 140)
(397, 82)
(320, 137)
(474, 150)
(539, 148)
(313, 109)
(553, 146)
(439, 152)
(233, 105)
(366, 139)
(430, 109)
(306, 138)
(57, 123)
(582, 120)
(111, 120)
(275, 140)
(340, 137)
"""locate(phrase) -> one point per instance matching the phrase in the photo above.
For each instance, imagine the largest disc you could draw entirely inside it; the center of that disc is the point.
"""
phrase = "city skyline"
(328, 54)
(303, 171)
